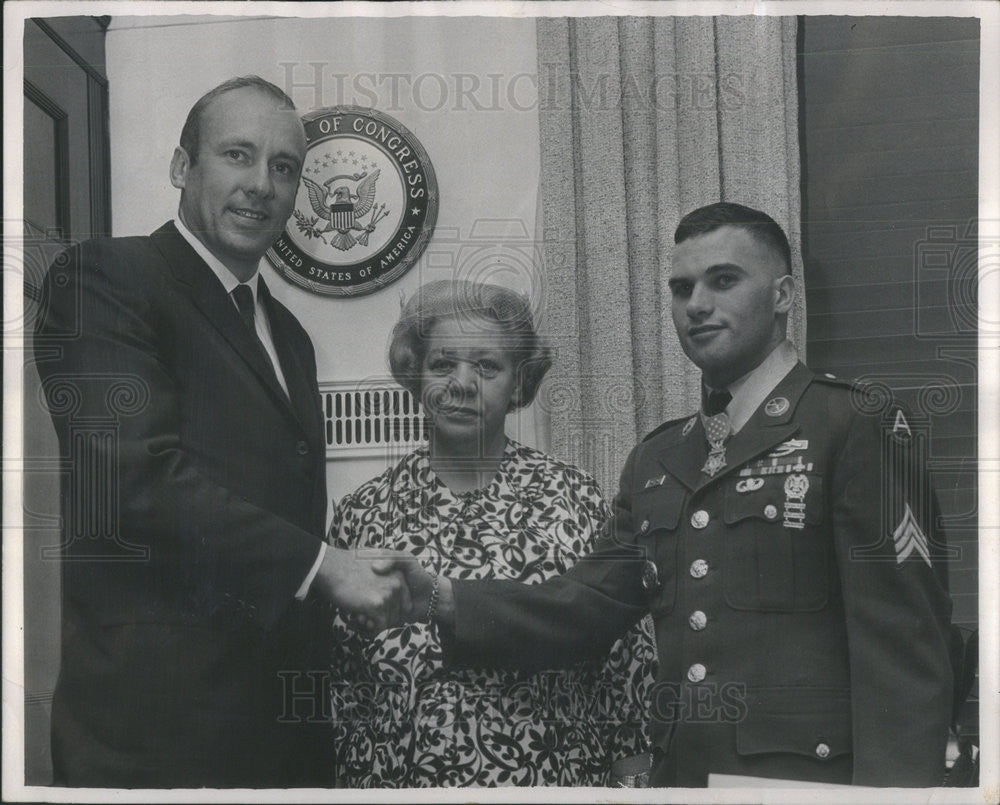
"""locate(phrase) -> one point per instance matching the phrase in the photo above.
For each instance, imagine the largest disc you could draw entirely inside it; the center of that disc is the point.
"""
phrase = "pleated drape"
(642, 120)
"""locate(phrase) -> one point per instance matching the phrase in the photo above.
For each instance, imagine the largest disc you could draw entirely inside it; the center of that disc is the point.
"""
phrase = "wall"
(464, 86)
(890, 153)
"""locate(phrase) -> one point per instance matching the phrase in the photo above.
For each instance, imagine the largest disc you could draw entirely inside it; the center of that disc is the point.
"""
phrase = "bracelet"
(432, 605)
(640, 780)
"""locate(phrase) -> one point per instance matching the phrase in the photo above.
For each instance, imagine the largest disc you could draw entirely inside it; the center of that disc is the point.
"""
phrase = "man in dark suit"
(782, 540)
(185, 400)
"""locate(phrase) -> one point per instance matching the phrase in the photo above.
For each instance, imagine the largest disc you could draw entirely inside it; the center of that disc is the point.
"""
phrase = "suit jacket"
(193, 508)
(800, 607)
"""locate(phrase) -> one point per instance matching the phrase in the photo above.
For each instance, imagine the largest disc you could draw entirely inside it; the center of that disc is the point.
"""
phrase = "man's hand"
(421, 586)
(379, 600)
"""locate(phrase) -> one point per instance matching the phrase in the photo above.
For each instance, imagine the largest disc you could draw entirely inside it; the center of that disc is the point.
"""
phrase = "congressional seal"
(365, 208)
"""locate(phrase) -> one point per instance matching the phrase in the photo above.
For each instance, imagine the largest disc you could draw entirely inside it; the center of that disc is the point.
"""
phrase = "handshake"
(382, 590)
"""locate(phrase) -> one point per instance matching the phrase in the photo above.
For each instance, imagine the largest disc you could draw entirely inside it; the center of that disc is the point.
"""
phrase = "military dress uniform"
(800, 605)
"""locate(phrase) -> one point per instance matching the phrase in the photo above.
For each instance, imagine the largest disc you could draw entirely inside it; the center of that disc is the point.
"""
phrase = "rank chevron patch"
(908, 537)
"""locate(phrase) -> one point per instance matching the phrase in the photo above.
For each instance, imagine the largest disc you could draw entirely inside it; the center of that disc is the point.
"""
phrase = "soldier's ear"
(784, 293)
(179, 164)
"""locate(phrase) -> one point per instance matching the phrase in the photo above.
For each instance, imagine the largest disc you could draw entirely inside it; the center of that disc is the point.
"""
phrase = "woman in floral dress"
(474, 504)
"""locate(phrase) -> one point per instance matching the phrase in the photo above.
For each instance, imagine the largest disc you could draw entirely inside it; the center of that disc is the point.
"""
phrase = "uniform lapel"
(770, 424)
(684, 454)
(211, 299)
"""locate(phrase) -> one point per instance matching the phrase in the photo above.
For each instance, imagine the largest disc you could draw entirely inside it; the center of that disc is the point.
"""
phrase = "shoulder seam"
(670, 422)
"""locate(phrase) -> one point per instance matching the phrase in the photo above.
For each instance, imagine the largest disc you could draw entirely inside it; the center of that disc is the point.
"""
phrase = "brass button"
(700, 519)
(697, 620)
(650, 577)
(770, 511)
(696, 672)
(303, 448)
(644, 528)
(699, 567)
(822, 751)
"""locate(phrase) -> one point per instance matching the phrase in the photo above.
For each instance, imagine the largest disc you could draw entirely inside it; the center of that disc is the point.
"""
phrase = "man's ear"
(179, 164)
(784, 290)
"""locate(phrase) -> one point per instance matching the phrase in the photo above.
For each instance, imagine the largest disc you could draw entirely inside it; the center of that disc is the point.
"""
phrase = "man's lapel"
(211, 299)
(299, 375)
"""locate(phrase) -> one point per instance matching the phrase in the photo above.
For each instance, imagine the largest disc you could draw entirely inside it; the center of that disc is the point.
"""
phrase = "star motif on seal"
(356, 195)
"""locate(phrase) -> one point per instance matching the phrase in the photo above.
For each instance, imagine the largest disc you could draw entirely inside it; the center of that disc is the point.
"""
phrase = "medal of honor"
(716, 430)
(716, 460)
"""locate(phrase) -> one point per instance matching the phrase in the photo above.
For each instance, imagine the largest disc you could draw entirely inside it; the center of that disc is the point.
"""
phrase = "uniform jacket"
(798, 637)
(193, 508)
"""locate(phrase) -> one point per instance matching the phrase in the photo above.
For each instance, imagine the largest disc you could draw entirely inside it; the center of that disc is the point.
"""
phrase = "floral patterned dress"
(404, 719)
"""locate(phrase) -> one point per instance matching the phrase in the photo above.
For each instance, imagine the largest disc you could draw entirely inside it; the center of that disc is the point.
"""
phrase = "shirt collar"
(226, 277)
(750, 390)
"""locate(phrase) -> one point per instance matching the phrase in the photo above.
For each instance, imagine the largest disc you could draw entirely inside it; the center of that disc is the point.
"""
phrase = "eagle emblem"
(342, 209)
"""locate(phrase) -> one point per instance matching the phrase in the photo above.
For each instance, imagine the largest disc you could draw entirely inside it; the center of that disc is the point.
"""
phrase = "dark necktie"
(715, 401)
(717, 427)
(243, 297)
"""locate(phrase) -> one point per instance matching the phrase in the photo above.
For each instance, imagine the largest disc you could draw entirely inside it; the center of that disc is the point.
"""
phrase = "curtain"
(642, 120)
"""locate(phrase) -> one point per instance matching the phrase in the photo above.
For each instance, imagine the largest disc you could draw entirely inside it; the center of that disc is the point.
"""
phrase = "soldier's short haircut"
(191, 133)
(726, 213)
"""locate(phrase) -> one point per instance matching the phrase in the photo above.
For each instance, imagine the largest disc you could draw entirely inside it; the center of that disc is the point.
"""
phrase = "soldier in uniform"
(781, 541)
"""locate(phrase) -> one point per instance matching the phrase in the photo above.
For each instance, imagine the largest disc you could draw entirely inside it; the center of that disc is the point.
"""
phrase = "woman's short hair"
(469, 301)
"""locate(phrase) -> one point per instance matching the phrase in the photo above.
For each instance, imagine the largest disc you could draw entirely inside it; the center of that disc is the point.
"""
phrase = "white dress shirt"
(751, 390)
(229, 282)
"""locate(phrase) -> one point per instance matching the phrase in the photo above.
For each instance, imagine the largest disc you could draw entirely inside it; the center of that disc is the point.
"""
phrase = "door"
(66, 199)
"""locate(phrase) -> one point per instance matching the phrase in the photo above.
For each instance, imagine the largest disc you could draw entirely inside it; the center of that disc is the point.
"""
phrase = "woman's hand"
(631, 772)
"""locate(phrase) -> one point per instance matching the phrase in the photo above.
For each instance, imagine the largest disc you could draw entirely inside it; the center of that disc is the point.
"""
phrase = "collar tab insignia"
(776, 406)
(651, 482)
